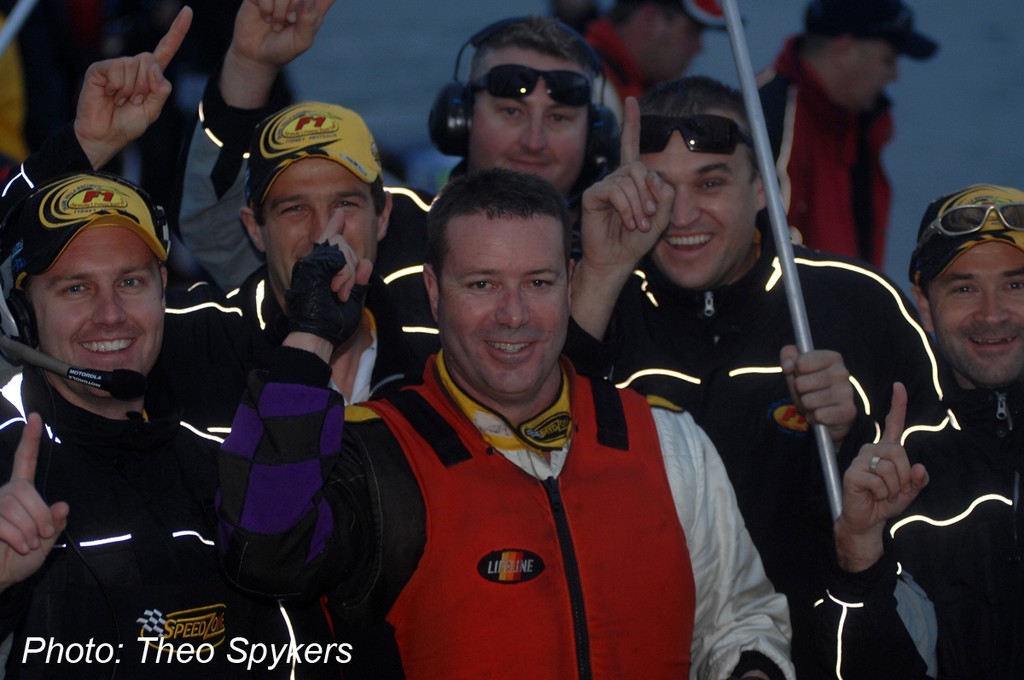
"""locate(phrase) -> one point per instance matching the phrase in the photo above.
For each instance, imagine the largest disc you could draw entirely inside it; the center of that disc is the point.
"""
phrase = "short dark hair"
(694, 95)
(494, 192)
(546, 35)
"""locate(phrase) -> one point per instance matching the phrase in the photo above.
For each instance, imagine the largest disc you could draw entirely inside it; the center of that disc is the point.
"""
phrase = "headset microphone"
(121, 383)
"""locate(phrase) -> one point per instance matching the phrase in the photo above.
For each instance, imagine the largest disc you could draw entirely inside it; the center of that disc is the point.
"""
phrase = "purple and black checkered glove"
(313, 307)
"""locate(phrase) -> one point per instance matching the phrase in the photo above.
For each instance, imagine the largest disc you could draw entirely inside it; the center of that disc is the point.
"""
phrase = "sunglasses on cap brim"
(703, 133)
(513, 81)
(967, 219)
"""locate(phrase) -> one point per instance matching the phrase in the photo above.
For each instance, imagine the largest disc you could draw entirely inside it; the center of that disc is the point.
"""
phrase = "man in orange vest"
(508, 518)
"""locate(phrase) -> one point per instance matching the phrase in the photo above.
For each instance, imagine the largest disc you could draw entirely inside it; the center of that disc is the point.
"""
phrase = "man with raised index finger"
(678, 294)
(528, 103)
(122, 480)
(960, 537)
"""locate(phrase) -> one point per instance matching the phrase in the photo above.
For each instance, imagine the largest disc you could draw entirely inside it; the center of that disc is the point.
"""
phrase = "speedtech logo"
(202, 625)
(550, 429)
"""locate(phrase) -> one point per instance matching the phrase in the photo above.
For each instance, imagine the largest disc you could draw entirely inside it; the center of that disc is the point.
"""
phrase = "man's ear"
(384, 218)
(253, 228)
(924, 308)
(572, 268)
(762, 198)
(431, 282)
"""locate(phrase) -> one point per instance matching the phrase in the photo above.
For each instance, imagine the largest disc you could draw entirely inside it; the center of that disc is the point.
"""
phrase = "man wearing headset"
(106, 531)
(314, 174)
(526, 105)
(314, 169)
(945, 506)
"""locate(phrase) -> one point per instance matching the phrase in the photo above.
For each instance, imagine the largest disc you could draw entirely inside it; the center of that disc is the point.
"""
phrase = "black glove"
(313, 307)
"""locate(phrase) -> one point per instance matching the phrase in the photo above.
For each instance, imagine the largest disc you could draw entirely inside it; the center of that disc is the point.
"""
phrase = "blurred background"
(959, 116)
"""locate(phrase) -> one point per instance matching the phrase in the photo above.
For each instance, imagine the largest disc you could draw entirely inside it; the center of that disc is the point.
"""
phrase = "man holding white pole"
(694, 311)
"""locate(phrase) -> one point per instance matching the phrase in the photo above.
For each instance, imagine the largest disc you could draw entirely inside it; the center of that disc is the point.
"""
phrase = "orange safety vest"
(586, 576)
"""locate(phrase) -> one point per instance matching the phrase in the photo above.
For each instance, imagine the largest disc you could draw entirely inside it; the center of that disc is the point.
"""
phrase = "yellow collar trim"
(549, 430)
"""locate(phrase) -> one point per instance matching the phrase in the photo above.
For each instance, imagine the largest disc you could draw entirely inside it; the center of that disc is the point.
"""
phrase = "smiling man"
(482, 496)
(528, 104)
(105, 534)
(967, 275)
(314, 175)
(502, 321)
(960, 537)
(527, 129)
(685, 302)
(96, 295)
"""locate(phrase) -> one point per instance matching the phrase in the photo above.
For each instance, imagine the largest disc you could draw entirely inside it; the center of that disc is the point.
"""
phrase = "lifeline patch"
(510, 566)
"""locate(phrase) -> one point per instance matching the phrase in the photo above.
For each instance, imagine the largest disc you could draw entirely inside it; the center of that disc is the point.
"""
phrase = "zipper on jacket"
(1002, 413)
(572, 577)
(709, 304)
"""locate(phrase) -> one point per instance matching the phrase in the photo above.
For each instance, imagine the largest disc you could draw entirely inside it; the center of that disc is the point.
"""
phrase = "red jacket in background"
(619, 67)
(838, 207)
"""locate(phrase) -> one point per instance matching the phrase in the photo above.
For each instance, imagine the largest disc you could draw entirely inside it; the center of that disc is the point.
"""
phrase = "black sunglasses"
(513, 81)
(703, 133)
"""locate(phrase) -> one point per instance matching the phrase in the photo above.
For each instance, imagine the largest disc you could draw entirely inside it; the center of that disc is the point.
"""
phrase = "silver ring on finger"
(874, 463)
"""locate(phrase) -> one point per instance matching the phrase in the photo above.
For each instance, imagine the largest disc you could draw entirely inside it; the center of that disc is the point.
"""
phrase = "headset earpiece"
(163, 232)
(603, 138)
(452, 112)
(449, 119)
(24, 317)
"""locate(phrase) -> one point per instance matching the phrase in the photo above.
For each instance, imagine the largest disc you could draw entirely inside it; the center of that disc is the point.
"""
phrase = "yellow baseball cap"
(39, 229)
(955, 223)
(309, 130)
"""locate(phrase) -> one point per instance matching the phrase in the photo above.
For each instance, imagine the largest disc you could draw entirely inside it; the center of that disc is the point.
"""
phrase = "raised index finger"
(169, 44)
(897, 415)
(335, 225)
(28, 450)
(629, 142)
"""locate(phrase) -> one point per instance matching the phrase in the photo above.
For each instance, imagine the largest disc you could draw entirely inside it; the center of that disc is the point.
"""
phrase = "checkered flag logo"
(152, 621)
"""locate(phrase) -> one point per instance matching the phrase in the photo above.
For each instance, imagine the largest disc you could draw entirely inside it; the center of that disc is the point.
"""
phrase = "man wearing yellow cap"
(946, 508)
(527, 105)
(314, 175)
(107, 558)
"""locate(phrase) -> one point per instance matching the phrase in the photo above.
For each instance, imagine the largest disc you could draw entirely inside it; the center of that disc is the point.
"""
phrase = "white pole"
(14, 21)
(780, 231)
